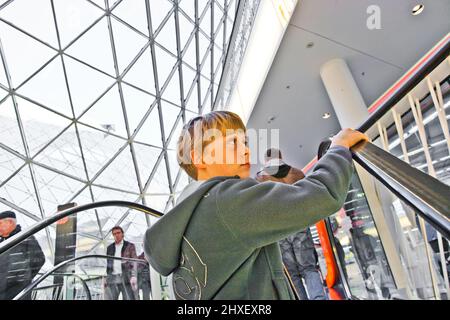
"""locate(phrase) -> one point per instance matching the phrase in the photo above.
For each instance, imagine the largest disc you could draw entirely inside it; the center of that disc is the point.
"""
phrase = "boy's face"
(226, 156)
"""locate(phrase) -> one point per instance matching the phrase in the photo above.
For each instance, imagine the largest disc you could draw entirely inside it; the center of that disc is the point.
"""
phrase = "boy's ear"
(200, 164)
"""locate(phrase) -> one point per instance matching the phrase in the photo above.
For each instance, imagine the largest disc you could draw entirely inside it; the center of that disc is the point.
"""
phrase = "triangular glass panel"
(87, 222)
(100, 3)
(159, 183)
(192, 101)
(186, 28)
(137, 104)
(64, 155)
(74, 17)
(218, 56)
(86, 84)
(219, 37)
(127, 43)
(188, 6)
(107, 114)
(9, 128)
(17, 47)
(141, 73)
(20, 191)
(97, 37)
(9, 163)
(206, 101)
(3, 79)
(3, 93)
(206, 69)
(189, 54)
(136, 226)
(182, 182)
(41, 24)
(218, 15)
(207, 105)
(170, 114)
(201, 6)
(203, 44)
(110, 216)
(98, 148)
(165, 63)
(204, 83)
(120, 174)
(172, 91)
(158, 11)
(134, 13)
(40, 125)
(156, 202)
(167, 36)
(173, 164)
(205, 25)
(172, 143)
(54, 188)
(150, 132)
(146, 158)
(48, 87)
(188, 78)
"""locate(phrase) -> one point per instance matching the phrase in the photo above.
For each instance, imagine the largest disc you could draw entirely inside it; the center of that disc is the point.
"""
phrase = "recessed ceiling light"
(326, 115)
(310, 45)
(270, 119)
(418, 9)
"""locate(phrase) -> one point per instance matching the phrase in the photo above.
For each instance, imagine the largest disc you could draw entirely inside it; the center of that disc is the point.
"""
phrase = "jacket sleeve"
(258, 214)
(36, 256)
(134, 256)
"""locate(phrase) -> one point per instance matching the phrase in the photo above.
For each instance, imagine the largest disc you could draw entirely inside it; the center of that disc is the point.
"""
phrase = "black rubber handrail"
(16, 239)
(32, 285)
(427, 195)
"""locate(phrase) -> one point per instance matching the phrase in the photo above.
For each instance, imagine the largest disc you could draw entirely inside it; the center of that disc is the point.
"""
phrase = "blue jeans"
(314, 287)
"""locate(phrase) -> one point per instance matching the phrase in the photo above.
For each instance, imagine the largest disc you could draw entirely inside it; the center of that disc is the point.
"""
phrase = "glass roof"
(93, 95)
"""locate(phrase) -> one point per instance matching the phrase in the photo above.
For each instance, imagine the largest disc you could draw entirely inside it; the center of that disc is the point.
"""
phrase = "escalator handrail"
(21, 236)
(427, 195)
(32, 285)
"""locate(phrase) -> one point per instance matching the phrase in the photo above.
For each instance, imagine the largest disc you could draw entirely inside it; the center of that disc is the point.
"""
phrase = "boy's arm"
(262, 213)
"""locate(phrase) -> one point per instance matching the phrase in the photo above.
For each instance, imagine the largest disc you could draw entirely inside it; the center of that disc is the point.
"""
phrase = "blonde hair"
(188, 141)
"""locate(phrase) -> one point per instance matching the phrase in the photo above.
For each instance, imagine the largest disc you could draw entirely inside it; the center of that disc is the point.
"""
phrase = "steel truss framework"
(166, 61)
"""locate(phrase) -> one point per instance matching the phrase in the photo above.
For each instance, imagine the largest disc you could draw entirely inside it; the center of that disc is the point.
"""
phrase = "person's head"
(117, 233)
(8, 223)
(272, 153)
(214, 144)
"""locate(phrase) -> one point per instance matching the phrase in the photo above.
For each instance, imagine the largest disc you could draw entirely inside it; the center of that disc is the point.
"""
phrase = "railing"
(16, 239)
(52, 272)
(429, 197)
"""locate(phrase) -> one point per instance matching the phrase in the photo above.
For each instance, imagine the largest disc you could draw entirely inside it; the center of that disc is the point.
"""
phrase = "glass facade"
(93, 96)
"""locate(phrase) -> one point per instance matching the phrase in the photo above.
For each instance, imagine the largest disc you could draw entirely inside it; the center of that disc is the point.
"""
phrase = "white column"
(349, 105)
(351, 111)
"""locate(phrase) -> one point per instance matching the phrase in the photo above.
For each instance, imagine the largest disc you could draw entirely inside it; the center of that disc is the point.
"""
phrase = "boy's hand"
(348, 138)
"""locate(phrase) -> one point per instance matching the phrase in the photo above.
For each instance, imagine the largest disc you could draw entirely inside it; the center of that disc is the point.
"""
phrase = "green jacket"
(221, 242)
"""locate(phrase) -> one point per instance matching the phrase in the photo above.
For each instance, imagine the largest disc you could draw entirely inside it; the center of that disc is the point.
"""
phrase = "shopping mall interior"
(94, 95)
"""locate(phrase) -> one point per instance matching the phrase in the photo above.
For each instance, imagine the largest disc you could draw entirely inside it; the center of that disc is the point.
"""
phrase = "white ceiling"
(377, 58)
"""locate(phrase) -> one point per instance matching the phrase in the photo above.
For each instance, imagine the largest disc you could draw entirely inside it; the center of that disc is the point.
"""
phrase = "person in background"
(297, 250)
(144, 277)
(121, 275)
(19, 265)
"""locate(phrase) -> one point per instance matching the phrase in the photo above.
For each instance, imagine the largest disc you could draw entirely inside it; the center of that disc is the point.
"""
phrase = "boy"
(221, 240)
